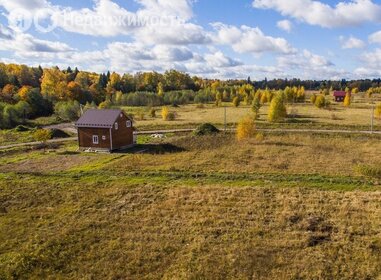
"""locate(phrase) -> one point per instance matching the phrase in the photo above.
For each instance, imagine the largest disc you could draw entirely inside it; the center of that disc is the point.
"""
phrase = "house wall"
(123, 136)
(85, 138)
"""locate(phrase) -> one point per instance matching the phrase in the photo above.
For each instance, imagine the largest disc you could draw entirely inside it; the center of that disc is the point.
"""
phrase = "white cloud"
(25, 44)
(218, 59)
(285, 25)
(372, 60)
(250, 40)
(375, 38)
(351, 43)
(349, 13)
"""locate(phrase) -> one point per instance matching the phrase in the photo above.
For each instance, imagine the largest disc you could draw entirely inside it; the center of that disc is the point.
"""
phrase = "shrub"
(105, 105)
(42, 135)
(206, 129)
(313, 99)
(152, 113)
(277, 111)
(236, 101)
(378, 111)
(320, 101)
(171, 116)
(347, 100)
(165, 113)
(256, 106)
(246, 128)
(260, 137)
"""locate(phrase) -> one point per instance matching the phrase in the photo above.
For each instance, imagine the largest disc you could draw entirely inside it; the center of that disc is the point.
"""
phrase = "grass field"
(288, 207)
(356, 117)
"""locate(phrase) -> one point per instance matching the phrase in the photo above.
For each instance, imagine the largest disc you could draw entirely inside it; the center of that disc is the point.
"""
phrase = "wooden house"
(105, 130)
(339, 96)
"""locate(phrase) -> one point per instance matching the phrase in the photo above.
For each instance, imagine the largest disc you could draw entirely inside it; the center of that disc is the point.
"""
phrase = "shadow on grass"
(153, 149)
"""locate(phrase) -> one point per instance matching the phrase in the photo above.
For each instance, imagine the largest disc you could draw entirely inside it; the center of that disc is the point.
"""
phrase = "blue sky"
(305, 39)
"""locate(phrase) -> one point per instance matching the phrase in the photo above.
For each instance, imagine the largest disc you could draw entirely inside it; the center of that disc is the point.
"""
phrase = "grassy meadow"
(283, 207)
(356, 117)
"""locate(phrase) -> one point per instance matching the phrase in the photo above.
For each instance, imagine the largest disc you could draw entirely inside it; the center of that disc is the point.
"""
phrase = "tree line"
(31, 92)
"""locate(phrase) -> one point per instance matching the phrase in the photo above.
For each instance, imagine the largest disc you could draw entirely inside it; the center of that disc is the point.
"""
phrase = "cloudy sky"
(210, 38)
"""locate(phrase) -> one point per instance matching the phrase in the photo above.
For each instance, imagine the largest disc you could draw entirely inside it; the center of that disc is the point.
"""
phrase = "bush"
(347, 100)
(42, 135)
(378, 111)
(320, 102)
(165, 113)
(246, 128)
(313, 98)
(152, 113)
(277, 111)
(206, 129)
(236, 101)
(171, 116)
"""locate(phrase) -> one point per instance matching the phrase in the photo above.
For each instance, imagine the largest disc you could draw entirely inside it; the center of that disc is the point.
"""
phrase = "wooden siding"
(120, 138)
(123, 136)
(85, 138)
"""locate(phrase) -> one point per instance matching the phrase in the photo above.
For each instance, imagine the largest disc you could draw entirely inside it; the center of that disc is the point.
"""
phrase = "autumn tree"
(8, 93)
(347, 100)
(277, 111)
(378, 111)
(320, 101)
(236, 101)
(165, 113)
(246, 128)
(42, 135)
(54, 84)
(160, 89)
(256, 106)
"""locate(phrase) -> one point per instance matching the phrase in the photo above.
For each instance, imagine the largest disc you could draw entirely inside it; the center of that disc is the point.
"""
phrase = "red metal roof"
(339, 94)
(98, 118)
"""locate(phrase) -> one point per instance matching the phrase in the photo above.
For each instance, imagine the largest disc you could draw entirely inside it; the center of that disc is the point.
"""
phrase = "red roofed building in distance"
(339, 96)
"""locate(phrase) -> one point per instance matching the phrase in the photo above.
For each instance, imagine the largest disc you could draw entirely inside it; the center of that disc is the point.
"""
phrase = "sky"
(225, 39)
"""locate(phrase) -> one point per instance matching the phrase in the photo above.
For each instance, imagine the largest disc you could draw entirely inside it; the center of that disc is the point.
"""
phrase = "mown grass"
(288, 207)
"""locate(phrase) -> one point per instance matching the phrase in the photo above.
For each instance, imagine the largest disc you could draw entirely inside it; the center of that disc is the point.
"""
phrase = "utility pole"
(372, 120)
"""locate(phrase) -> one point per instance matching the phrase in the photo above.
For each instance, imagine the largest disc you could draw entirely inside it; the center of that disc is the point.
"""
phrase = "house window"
(128, 124)
(95, 139)
(104, 138)
(116, 126)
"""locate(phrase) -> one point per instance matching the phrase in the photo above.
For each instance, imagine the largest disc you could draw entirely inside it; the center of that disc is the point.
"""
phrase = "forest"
(31, 92)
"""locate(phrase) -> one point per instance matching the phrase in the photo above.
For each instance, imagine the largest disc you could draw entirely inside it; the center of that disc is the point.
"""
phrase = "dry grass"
(296, 154)
(357, 115)
(119, 230)
(154, 216)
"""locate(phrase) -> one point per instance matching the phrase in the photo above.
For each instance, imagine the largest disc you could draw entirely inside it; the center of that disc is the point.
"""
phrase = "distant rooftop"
(98, 118)
(339, 93)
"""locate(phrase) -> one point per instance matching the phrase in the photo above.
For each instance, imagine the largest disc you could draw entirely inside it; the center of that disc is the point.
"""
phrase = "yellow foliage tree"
(277, 111)
(378, 111)
(42, 135)
(246, 128)
(236, 101)
(347, 100)
(23, 92)
(165, 113)
(160, 89)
